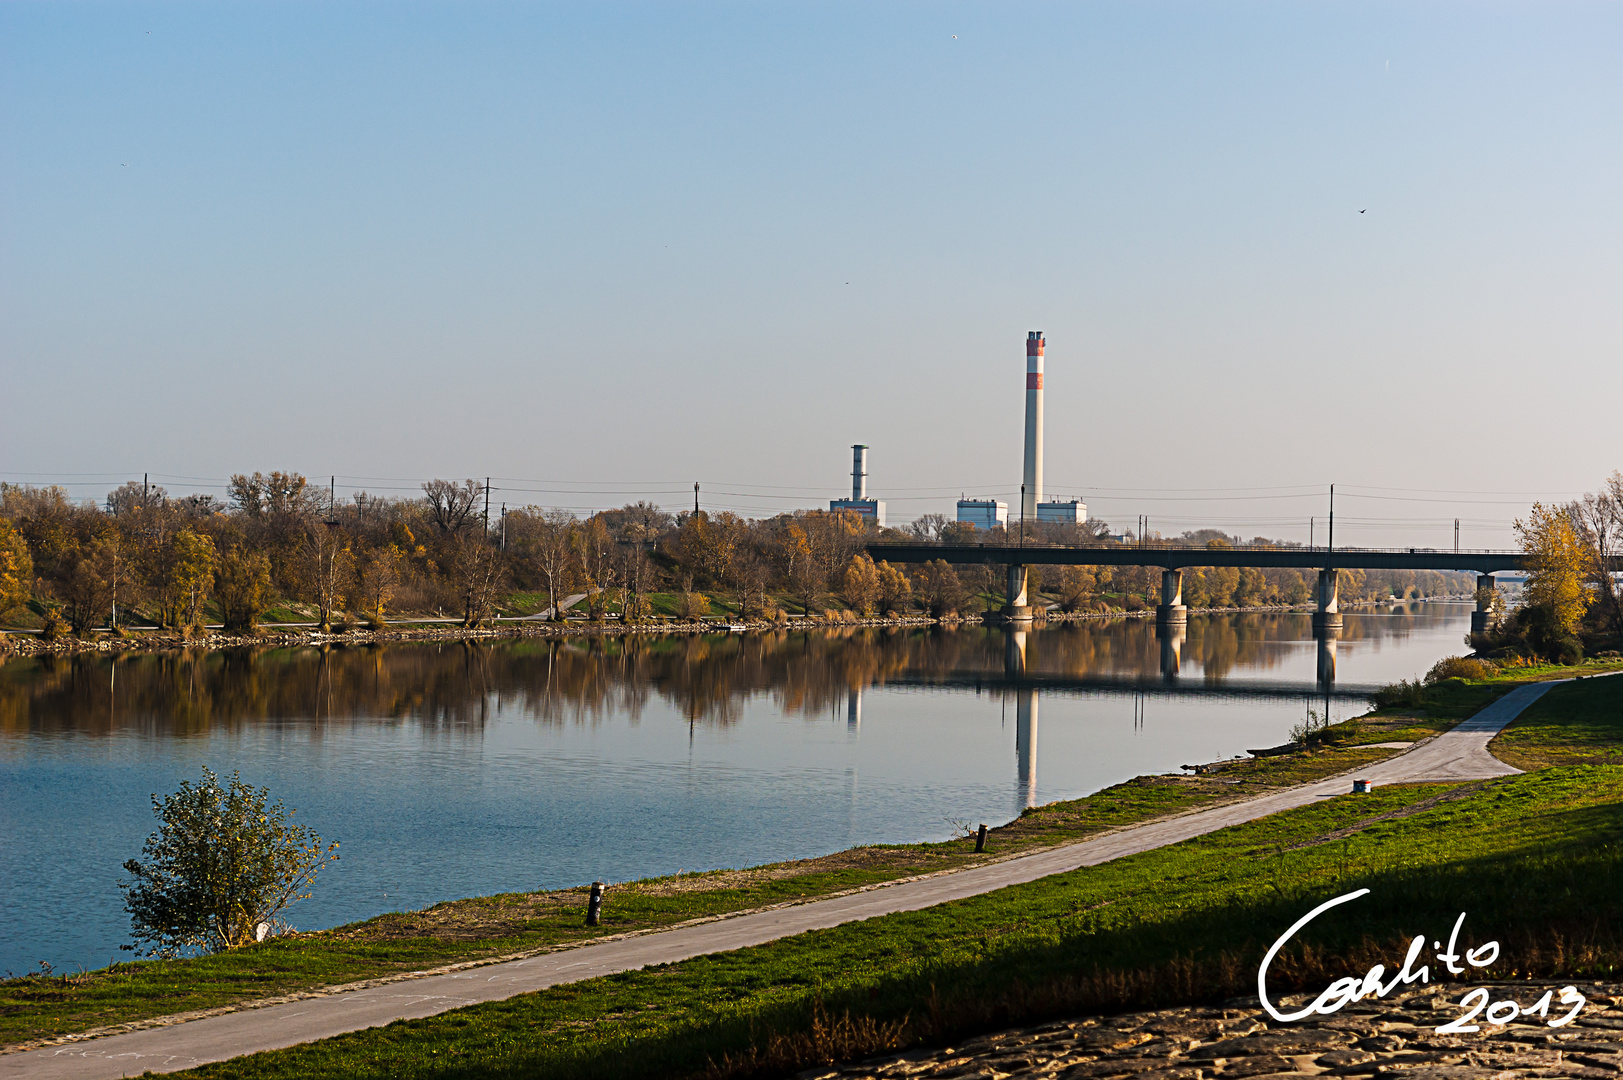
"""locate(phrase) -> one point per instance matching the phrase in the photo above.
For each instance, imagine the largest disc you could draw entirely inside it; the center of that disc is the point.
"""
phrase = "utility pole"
(332, 497)
(1022, 518)
(146, 489)
(504, 526)
(487, 506)
(1310, 524)
(1332, 546)
(695, 497)
(1456, 536)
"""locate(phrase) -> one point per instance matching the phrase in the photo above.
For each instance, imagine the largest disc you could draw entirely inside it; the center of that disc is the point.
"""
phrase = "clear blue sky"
(631, 246)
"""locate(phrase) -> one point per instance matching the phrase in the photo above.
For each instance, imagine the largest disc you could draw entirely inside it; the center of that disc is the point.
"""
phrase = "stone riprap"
(1394, 1038)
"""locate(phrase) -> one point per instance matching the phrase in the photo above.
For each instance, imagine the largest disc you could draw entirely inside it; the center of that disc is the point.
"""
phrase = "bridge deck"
(1178, 558)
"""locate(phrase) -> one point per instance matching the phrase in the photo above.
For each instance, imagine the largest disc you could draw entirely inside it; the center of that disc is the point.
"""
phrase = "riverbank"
(29, 643)
(483, 929)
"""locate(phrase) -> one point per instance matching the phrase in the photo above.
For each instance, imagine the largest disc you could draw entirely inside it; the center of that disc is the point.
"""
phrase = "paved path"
(1459, 754)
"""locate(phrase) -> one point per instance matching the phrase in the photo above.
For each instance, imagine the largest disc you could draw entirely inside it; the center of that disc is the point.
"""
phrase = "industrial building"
(872, 510)
(1065, 512)
(983, 513)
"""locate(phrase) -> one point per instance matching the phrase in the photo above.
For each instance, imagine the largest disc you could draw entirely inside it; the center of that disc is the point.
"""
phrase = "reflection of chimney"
(859, 472)
(1033, 475)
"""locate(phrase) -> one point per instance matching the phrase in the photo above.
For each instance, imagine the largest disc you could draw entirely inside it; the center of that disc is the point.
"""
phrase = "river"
(458, 769)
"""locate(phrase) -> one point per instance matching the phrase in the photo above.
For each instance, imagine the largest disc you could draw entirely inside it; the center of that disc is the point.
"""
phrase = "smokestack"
(1033, 475)
(859, 472)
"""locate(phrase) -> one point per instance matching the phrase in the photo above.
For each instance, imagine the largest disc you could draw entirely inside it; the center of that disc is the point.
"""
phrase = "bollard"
(1362, 787)
(980, 839)
(594, 906)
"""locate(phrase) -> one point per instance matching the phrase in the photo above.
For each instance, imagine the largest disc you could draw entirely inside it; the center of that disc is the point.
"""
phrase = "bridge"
(1173, 561)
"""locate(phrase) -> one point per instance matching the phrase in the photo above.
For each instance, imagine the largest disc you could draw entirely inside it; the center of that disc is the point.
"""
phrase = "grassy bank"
(485, 928)
(1533, 859)
(1130, 928)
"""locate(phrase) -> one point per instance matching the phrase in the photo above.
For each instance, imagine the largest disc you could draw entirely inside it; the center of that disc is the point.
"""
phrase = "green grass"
(485, 927)
(1581, 723)
(1130, 932)
(1533, 858)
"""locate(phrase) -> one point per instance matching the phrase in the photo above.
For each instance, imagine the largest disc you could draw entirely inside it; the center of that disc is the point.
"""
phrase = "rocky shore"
(1395, 1038)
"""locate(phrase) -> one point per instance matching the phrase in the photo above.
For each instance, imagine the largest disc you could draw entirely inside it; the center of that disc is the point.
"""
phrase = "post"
(1484, 604)
(695, 496)
(1328, 616)
(980, 839)
(487, 506)
(1332, 544)
(1172, 609)
(594, 906)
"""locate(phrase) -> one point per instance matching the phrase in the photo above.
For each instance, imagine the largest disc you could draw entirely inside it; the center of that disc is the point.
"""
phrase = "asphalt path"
(1458, 754)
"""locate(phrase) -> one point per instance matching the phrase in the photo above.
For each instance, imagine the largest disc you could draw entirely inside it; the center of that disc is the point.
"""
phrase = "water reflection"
(455, 769)
(456, 687)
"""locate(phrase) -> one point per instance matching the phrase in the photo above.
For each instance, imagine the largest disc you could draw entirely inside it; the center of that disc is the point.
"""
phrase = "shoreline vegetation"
(44, 1007)
(280, 550)
(23, 642)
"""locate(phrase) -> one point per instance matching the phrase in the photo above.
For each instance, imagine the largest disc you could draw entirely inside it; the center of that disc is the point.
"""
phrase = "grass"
(1533, 858)
(485, 927)
(1183, 923)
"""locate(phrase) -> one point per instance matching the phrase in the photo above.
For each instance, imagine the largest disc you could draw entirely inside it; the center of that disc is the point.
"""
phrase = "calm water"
(454, 770)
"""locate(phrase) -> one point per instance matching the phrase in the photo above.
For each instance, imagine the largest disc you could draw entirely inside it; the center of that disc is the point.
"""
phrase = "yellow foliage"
(1556, 565)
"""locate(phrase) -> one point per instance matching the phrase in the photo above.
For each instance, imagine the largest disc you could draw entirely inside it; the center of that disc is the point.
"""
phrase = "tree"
(928, 527)
(222, 867)
(377, 579)
(450, 504)
(193, 572)
(1556, 566)
(548, 543)
(861, 586)
(1599, 521)
(242, 582)
(16, 568)
(1076, 587)
(939, 587)
(480, 574)
(894, 588)
(329, 568)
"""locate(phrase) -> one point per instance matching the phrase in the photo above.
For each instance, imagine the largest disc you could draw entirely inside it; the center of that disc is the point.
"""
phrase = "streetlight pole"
(1332, 546)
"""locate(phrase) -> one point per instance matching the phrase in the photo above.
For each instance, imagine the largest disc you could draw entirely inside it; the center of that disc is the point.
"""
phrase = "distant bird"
(1361, 211)
(954, 37)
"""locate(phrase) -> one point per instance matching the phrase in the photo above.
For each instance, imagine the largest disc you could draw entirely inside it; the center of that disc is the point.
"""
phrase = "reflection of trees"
(455, 686)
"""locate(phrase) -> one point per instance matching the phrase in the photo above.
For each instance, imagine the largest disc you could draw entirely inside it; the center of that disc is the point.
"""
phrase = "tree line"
(277, 538)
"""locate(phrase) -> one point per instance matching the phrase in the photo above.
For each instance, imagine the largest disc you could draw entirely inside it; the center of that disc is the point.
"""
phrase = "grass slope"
(1533, 858)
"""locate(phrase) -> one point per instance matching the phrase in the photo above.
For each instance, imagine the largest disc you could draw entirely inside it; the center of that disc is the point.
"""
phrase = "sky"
(601, 252)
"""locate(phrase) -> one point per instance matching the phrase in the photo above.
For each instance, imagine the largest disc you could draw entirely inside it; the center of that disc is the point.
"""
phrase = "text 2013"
(1346, 990)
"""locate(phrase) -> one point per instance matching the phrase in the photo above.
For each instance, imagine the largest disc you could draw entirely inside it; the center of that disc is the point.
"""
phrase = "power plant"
(1031, 483)
(872, 510)
(990, 513)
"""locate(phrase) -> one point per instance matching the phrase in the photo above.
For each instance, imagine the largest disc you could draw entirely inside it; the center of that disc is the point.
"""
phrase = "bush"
(1459, 667)
(220, 870)
(1402, 694)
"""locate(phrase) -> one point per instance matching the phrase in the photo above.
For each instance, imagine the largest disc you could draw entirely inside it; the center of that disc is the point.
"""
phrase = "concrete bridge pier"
(1328, 617)
(1327, 659)
(1172, 637)
(1484, 598)
(1172, 609)
(1019, 607)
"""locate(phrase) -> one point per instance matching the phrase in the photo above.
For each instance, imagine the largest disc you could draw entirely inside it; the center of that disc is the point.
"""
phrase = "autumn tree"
(861, 586)
(895, 591)
(1598, 519)
(480, 573)
(939, 587)
(242, 586)
(378, 575)
(1076, 587)
(1556, 566)
(16, 568)
(329, 569)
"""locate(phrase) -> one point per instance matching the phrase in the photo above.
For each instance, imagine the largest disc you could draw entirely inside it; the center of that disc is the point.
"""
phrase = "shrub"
(1459, 667)
(220, 870)
(56, 627)
(1402, 694)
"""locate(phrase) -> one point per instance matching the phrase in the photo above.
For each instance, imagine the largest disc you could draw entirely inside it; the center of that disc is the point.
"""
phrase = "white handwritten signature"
(1344, 991)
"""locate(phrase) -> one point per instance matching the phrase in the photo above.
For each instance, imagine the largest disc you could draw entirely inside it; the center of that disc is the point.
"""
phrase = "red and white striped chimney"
(1033, 476)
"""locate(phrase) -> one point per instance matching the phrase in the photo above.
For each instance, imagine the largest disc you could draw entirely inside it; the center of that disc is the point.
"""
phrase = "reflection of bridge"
(1173, 561)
